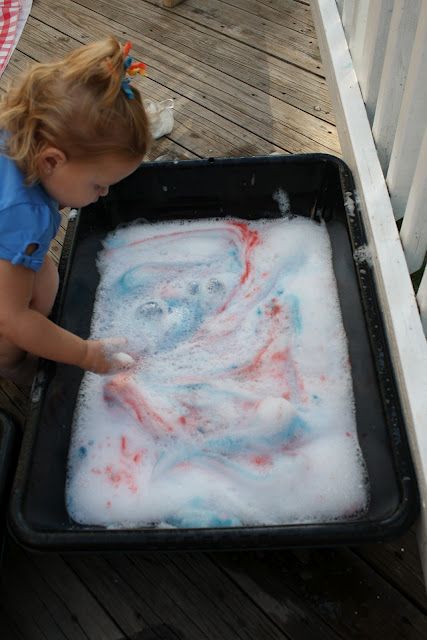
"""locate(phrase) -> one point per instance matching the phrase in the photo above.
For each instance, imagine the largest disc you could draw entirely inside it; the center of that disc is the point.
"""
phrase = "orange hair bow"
(131, 69)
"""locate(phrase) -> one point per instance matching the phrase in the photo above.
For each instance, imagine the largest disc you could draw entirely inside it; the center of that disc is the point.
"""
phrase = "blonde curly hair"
(77, 105)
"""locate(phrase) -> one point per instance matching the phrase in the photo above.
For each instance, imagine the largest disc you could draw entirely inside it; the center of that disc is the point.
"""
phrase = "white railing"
(388, 45)
(374, 54)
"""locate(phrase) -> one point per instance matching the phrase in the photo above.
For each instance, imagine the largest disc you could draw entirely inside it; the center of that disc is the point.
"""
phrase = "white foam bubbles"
(239, 409)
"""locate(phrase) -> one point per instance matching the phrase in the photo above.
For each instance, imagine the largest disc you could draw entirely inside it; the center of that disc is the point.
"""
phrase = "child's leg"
(44, 293)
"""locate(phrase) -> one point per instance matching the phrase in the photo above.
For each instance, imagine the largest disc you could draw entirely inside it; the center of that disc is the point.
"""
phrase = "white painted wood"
(404, 330)
(413, 232)
(422, 301)
(396, 62)
(372, 55)
(357, 34)
(412, 121)
(347, 15)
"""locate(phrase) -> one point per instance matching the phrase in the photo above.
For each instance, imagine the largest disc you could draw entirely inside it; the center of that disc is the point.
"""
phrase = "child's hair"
(77, 105)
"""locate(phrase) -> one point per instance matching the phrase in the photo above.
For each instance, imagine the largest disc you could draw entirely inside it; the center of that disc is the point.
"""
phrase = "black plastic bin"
(8, 458)
(319, 186)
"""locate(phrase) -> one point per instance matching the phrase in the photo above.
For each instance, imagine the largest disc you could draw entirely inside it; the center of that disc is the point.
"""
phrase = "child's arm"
(33, 332)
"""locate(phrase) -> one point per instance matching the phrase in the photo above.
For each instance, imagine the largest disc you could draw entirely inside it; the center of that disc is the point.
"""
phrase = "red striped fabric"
(9, 14)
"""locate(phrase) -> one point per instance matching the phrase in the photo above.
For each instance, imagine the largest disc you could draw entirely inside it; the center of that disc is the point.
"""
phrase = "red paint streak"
(250, 405)
(120, 477)
(255, 365)
(183, 465)
(194, 417)
(280, 356)
(136, 456)
(262, 460)
(348, 434)
(273, 311)
(182, 420)
(250, 238)
(122, 391)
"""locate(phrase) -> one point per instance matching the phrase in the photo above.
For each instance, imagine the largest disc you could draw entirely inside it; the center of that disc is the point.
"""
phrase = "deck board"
(247, 80)
(208, 95)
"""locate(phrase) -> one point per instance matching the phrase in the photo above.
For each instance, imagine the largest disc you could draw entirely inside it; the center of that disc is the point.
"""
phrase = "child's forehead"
(108, 168)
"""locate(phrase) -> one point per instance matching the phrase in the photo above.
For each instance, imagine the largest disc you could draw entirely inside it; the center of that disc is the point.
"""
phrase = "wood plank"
(17, 63)
(275, 595)
(194, 583)
(262, 34)
(66, 597)
(196, 128)
(18, 398)
(8, 405)
(334, 584)
(24, 600)
(398, 562)
(289, 13)
(20, 61)
(7, 630)
(136, 603)
(280, 126)
(184, 593)
(205, 132)
(182, 44)
(395, 292)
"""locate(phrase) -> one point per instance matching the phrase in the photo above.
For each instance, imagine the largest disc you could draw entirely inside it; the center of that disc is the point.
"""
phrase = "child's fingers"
(124, 360)
(119, 359)
(113, 345)
(104, 356)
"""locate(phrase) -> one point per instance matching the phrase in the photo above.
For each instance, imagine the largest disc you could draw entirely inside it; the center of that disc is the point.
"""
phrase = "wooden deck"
(247, 80)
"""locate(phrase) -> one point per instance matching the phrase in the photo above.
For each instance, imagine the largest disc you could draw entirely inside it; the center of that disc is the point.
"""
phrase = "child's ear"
(50, 159)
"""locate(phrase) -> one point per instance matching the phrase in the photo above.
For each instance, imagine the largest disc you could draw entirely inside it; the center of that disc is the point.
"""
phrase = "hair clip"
(131, 69)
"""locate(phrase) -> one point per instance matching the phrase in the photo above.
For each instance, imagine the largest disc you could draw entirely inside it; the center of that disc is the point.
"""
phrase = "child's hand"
(106, 356)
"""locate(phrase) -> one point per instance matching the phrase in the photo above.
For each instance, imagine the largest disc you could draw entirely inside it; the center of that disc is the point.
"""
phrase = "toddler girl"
(68, 130)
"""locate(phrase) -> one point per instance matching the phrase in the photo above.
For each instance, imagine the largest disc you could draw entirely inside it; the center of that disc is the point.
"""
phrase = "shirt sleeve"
(22, 225)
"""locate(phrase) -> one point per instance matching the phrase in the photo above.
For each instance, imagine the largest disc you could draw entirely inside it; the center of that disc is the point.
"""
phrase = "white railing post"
(408, 347)
(347, 16)
(396, 62)
(422, 301)
(357, 34)
(372, 57)
(413, 232)
(411, 123)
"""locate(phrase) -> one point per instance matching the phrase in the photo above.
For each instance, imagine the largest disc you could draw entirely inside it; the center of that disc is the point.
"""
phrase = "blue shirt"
(28, 215)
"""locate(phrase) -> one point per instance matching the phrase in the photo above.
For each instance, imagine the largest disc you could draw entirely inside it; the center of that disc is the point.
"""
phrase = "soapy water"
(239, 410)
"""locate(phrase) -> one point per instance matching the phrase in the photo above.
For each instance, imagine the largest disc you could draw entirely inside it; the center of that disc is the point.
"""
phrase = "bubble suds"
(282, 199)
(363, 254)
(349, 203)
(240, 408)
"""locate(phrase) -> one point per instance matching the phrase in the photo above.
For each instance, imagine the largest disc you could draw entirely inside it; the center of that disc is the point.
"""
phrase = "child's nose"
(104, 191)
